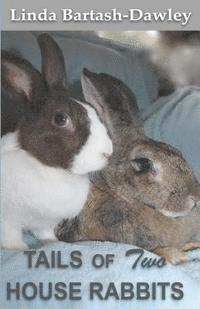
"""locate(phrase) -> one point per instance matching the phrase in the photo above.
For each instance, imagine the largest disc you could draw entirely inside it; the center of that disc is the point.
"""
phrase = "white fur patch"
(35, 196)
(174, 214)
(91, 156)
(159, 172)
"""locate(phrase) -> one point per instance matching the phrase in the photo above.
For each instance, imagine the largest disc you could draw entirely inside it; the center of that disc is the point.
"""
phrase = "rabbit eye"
(61, 119)
(142, 165)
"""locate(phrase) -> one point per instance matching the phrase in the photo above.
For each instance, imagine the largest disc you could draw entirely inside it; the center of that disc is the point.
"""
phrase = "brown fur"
(55, 146)
(107, 216)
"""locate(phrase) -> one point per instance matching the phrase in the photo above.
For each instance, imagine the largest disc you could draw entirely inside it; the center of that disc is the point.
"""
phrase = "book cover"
(100, 173)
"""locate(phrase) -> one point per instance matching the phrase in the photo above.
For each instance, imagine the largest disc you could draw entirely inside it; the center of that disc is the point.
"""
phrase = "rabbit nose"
(196, 203)
(195, 195)
(106, 155)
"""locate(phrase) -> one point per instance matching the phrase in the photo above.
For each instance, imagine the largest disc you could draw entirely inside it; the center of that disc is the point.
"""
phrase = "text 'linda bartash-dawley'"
(114, 15)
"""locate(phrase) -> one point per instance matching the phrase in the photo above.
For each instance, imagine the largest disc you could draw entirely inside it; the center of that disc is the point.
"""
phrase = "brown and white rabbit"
(147, 195)
(46, 161)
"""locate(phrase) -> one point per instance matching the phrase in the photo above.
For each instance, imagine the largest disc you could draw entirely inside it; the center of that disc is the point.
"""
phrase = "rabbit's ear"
(53, 64)
(93, 90)
(20, 78)
(93, 94)
(105, 90)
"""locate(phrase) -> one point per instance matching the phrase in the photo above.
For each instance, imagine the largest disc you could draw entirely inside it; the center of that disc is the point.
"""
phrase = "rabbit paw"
(172, 255)
(191, 246)
(65, 229)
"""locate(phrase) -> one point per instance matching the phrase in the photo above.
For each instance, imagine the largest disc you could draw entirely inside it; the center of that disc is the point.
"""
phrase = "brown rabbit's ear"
(92, 91)
(53, 64)
(20, 78)
(93, 94)
(104, 90)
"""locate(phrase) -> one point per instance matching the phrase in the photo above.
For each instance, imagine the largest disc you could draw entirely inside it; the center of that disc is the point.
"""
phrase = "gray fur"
(131, 207)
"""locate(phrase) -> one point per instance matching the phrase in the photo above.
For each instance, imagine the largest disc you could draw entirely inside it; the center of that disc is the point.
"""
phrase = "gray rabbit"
(147, 195)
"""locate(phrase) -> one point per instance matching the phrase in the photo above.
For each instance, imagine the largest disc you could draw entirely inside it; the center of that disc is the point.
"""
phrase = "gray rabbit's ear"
(93, 91)
(105, 90)
(93, 94)
(20, 78)
(53, 64)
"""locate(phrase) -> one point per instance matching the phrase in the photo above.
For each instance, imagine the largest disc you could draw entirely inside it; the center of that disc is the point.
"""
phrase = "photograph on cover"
(100, 156)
